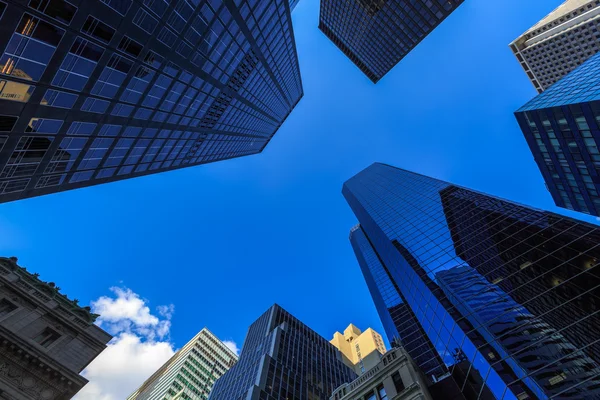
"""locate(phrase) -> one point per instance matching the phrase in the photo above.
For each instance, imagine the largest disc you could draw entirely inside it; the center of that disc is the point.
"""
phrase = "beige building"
(361, 350)
(560, 42)
(395, 377)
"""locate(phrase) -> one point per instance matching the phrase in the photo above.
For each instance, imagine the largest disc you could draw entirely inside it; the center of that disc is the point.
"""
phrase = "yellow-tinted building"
(361, 350)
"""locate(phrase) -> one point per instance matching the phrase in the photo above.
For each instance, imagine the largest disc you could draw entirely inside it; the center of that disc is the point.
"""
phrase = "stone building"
(395, 377)
(46, 339)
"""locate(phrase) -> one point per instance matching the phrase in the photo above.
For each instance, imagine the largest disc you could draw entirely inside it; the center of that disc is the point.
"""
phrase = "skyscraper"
(103, 90)
(191, 372)
(376, 34)
(361, 351)
(559, 43)
(46, 339)
(283, 359)
(562, 129)
(501, 296)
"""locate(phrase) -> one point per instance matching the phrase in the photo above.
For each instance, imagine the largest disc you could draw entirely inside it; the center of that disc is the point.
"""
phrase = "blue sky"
(223, 242)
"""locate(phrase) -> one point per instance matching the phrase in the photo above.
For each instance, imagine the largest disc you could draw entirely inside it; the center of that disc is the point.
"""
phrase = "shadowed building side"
(376, 34)
(46, 339)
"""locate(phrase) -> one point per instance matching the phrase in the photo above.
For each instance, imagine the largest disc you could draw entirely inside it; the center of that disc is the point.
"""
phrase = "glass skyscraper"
(191, 372)
(376, 34)
(562, 129)
(500, 296)
(283, 359)
(101, 90)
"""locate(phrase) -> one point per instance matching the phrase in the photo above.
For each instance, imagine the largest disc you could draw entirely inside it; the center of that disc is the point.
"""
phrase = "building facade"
(283, 359)
(191, 373)
(395, 377)
(562, 129)
(361, 351)
(559, 43)
(501, 296)
(376, 34)
(102, 90)
(46, 339)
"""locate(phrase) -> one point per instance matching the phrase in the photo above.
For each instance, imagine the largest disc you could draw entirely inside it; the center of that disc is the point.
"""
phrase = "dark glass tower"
(377, 34)
(101, 90)
(562, 129)
(501, 296)
(283, 359)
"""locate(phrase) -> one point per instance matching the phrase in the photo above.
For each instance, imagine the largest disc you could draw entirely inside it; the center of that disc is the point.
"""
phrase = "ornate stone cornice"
(31, 370)
(46, 290)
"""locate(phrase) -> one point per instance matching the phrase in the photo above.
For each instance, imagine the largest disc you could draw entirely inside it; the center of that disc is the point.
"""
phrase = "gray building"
(395, 377)
(191, 372)
(559, 43)
(46, 339)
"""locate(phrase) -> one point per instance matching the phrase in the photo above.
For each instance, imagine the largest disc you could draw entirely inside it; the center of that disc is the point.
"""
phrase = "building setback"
(46, 339)
(502, 296)
(101, 90)
(361, 351)
(283, 359)
(191, 372)
(559, 43)
(562, 129)
(376, 34)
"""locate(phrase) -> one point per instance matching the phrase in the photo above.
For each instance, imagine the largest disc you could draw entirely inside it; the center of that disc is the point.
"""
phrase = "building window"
(382, 394)
(398, 382)
(371, 396)
(98, 29)
(46, 337)
(6, 307)
(60, 10)
(7, 122)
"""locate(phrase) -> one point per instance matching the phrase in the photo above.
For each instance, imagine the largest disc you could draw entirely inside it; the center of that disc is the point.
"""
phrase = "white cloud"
(139, 347)
(232, 346)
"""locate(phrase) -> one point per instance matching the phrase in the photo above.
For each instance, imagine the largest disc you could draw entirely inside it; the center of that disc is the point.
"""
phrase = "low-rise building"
(396, 377)
(46, 339)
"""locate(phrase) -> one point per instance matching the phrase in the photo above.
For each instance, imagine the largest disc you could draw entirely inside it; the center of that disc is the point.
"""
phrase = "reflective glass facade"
(562, 129)
(499, 296)
(101, 90)
(377, 34)
(283, 359)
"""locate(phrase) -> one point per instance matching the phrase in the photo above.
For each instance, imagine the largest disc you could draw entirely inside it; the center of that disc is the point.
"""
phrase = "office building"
(500, 296)
(376, 34)
(283, 359)
(46, 339)
(102, 90)
(191, 372)
(562, 129)
(559, 43)
(361, 351)
(394, 377)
